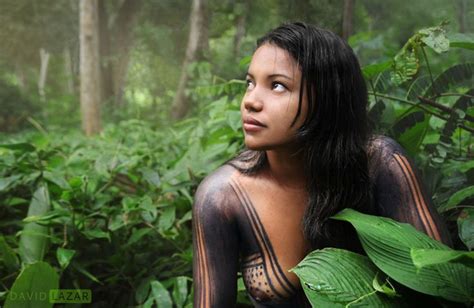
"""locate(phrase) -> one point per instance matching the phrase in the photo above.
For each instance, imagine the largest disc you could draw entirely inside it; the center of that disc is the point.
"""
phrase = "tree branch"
(442, 107)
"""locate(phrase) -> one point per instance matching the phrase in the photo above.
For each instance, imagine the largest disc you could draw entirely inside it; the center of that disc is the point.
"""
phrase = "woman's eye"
(279, 87)
(249, 84)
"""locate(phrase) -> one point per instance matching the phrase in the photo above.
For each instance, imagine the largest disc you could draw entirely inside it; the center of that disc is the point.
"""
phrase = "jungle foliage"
(113, 213)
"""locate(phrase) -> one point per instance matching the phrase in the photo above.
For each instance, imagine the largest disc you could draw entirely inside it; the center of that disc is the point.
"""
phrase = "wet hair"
(335, 133)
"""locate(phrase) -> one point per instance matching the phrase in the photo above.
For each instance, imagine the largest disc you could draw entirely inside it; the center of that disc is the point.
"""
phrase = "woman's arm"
(399, 193)
(215, 243)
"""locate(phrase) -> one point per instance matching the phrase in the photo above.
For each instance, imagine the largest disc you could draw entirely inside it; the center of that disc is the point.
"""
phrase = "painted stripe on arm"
(417, 196)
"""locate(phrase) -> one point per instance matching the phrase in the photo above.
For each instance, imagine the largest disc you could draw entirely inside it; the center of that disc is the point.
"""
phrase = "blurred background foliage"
(112, 212)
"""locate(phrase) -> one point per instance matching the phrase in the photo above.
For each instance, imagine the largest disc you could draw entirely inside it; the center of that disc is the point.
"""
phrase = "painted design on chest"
(263, 276)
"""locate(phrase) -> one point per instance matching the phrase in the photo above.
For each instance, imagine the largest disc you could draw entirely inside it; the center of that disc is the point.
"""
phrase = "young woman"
(309, 155)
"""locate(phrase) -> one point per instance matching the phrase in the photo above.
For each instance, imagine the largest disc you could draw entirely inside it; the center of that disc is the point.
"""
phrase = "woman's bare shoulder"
(216, 192)
(384, 147)
(383, 152)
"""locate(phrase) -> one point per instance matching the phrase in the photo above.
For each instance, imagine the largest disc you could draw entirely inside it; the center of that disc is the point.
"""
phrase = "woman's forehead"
(272, 59)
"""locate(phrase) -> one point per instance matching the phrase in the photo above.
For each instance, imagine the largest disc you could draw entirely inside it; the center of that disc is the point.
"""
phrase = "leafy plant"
(333, 277)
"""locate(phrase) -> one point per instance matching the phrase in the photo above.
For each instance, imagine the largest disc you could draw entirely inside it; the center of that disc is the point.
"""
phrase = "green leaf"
(47, 217)
(25, 147)
(180, 291)
(435, 38)
(64, 256)
(410, 131)
(451, 78)
(388, 244)
(461, 40)
(57, 179)
(167, 218)
(333, 277)
(31, 287)
(160, 295)
(85, 272)
(152, 177)
(466, 227)
(137, 235)
(404, 66)
(96, 233)
(8, 255)
(426, 257)
(385, 288)
(6, 182)
(33, 240)
(143, 289)
(372, 70)
(458, 197)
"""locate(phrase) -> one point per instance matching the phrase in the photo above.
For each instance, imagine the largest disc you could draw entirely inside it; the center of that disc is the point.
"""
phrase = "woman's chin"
(254, 146)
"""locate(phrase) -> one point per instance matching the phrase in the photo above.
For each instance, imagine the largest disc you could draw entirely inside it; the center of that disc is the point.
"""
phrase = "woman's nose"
(252, 101)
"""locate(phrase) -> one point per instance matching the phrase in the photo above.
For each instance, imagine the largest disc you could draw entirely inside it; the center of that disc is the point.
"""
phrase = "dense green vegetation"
(112, 213)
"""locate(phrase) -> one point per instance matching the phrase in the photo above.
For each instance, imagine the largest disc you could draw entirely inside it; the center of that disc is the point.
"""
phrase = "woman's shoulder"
(384, 147)
(215, 192)
(384, 155)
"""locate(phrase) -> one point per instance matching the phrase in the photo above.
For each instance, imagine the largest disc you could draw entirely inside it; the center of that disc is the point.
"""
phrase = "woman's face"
(270, 103)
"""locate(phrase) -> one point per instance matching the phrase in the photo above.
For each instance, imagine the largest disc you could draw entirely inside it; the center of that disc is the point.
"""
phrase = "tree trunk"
(21, 77)
(240, 26)
(197, 42)
(107, 89)
(89, 67)
(68, 71)
(123, 44)
(462, 9)
(44, 60)
(348, 19)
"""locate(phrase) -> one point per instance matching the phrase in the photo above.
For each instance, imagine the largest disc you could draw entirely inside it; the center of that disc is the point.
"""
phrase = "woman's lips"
(252, 125)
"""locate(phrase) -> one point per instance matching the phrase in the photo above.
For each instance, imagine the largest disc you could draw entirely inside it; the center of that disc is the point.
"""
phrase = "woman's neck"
(286, 168)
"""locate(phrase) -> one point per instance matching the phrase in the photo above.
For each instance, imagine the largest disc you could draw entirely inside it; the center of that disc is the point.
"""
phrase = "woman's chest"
(272, 240)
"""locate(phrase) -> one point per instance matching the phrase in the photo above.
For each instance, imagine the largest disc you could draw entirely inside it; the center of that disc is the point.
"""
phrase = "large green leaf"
(454, 76)
(333, 277)
(460, 107)
(33, 240)
(388, 244)
(424, 257)
(31, 287)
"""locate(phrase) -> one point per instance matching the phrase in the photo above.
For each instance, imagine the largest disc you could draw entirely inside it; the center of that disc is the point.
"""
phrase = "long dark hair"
(335, 132)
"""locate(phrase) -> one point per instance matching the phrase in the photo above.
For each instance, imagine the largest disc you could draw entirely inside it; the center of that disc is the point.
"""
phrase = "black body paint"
(228, 235)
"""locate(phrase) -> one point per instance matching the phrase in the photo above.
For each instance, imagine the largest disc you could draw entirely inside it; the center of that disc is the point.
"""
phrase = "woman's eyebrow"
(272, 76)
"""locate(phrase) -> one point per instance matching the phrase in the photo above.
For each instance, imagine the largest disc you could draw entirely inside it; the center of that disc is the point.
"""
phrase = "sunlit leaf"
(388, 244)
(31, 287)
(33, 240)
(335, 278)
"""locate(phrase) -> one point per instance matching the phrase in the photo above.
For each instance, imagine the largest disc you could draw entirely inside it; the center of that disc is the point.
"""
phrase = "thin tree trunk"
(240, 27)
(68, 71)
(197, 40)
(21, 77)
(44, 57)
(107, 89)
(89, 67)
(348, 19)
(123, 43)
(461, 10)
